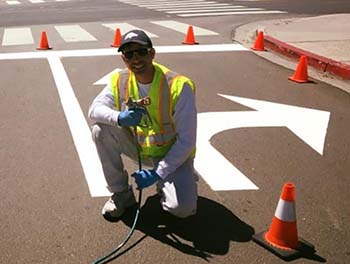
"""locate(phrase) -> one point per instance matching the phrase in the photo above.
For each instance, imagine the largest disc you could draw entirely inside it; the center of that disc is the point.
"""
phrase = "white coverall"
(178, 183)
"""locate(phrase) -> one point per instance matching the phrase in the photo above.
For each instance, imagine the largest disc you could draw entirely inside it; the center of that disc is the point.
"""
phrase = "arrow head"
(308, 124)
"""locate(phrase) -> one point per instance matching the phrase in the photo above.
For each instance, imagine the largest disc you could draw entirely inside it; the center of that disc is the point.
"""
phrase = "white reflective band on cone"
(285, 211)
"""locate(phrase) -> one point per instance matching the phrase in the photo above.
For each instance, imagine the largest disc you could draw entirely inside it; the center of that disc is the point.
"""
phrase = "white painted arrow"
(105, 79)
(308, 124)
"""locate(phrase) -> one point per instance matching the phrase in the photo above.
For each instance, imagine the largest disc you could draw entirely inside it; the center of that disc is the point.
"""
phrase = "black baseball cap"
(135, 36)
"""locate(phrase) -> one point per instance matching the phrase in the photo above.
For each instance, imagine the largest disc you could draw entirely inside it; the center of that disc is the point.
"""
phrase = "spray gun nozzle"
(141, 103)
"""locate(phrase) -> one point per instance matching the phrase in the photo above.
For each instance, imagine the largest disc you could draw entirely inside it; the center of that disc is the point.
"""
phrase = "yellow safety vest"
(166, 87)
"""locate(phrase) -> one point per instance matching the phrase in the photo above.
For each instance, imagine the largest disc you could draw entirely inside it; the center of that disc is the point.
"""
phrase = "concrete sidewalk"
(325, 40)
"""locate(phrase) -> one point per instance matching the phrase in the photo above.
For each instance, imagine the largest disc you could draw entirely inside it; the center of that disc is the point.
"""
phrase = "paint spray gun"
(141, 103)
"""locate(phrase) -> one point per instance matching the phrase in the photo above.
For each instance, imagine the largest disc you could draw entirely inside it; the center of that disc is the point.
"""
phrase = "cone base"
(286, 254)
(115, 46)
(190, 43)
(297, 80)
(258, 49)
(48, 48)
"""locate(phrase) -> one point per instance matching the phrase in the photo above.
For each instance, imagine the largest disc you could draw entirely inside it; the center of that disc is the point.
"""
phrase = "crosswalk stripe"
(183, 8)
(74, 33)
(210, 10)
(136, 2)
(233, 13)
(213, 6)
(182, 27)
(182, 3)
(125, 27)
(17, 36)
(13, 2)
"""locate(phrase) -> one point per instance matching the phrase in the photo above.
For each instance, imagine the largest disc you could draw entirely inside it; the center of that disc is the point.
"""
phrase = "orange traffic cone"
(117, 38)
(44, 44)
(259, 42)
(283, 230)
(282, 237)
(190, 40)
(300, 75)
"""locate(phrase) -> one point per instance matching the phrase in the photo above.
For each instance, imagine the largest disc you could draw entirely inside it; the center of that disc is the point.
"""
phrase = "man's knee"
(99, 132)
(95, 132)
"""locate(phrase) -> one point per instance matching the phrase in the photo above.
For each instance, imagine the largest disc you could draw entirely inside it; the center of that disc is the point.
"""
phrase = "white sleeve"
(102, 109)
(185, 120)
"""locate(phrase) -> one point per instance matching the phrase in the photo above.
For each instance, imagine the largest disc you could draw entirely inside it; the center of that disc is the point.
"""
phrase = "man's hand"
(131, 117)
(145, 178)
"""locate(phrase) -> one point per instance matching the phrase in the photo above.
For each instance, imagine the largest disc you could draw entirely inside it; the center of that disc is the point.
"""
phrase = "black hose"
(106, 258)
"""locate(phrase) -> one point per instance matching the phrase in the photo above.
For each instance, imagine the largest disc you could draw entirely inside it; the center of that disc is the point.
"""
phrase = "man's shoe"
(118, 202)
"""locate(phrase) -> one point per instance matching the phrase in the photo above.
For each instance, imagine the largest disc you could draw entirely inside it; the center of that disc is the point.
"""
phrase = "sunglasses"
(141, 52)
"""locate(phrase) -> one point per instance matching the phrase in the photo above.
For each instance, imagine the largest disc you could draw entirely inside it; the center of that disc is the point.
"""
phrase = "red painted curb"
(314, 60)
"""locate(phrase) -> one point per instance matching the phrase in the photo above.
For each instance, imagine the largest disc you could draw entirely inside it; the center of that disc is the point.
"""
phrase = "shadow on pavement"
(310, 253)
(208, 232)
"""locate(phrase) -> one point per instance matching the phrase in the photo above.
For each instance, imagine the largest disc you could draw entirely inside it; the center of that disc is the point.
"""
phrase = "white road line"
(74, 33)
(113, 52)
(183, 27)
(36, 1)
(13, 2)
(17, 36)
(79, 129)
(182, 3)
(200, 48)
(158, 1)
(233, 13)
(213, 6)
(213, 10)
(136, 2)
(125, 27)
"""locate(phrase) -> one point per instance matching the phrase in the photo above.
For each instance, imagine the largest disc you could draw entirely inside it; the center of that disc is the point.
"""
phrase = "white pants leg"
(179, 189)
(111, 142)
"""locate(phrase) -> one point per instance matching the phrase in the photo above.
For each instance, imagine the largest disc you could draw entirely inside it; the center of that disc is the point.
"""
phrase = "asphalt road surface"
(269, 130)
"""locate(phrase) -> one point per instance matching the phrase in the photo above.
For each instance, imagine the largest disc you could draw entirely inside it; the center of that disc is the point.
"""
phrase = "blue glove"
(131, 117)
(145, 178)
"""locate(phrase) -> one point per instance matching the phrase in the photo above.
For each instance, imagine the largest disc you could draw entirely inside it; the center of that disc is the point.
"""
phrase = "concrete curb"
(322, 63)
(245, 34)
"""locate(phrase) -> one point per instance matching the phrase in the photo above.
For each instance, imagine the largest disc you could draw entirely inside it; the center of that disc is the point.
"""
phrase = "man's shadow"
(208, 232)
